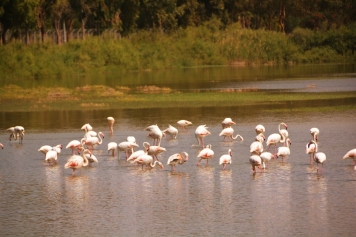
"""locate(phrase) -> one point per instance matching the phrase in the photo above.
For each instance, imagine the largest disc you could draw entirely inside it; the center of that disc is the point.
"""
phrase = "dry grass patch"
(153, 89)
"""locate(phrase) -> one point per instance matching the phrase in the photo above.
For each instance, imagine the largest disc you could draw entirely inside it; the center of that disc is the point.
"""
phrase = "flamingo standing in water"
(225, 159)
(184, 124)
(266, 157)
(227, 122)
(156, 134)
(11, 130)
(255, 161)
(112, 146)
(284, 133)
(229, 132)
(319, 158)
(74, 144)
(46, 148)
(91, 159)
(315, 133)
(136, 154)
(147, 160)
(257, 146)
(154, 151)
(284, 151)
(19, 133)
(111, 122)
(76, 162)
(206, 154)
(127, 147)
(275, 138)
(200, 133)
(259, 129)
(93, 141)
(351, 154)
(52, 155)
(177, 159)
(172, 131)
(310, 149)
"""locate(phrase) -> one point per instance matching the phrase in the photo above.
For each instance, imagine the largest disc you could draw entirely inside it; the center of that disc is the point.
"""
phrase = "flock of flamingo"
(148, 155)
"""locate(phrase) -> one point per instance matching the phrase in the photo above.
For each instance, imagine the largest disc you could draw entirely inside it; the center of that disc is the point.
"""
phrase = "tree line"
(129, 16)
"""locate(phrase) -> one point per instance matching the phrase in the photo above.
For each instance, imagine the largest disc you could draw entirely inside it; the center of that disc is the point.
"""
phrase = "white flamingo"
(147, 160)
(156, 134)
(225, 159)
(154, 151)
(227, 122)
(76, 162)
(131, 139)
(19, 133)
(319, 158)
(266, 157)
(138, 153)
(111, 122)
(91, 158)
(171, 131)
(87, 127)
(315, 133)
(200, 133)
(93, 141)
(275, 138)
(74, 144)
(259, 129)
(52, 155)
(127, 147)
(284, 151)
(44, 149)
(310, 149)
(112, 146)
(177, 159)
(351, 154)
(184, 124)
(229, 132)
(206, 154)
(284, 132)
(255, 161)
(11, 130)
(257, 146)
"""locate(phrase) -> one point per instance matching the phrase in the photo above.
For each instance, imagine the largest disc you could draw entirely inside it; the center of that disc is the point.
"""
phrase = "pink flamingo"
(200, 133)
(225, 159)
(177, 159)
(206, 154)
(184, 124)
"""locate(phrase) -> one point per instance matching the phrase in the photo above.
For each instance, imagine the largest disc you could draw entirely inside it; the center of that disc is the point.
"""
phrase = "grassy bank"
(205, 45)
(14, 98)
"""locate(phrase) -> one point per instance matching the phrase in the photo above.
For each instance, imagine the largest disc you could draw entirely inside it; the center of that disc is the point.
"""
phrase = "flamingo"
(351, 154)
(227, 122)
(89, 134)
(138, 153)
(225, 159)
(91, 158)
(156, 134)
(87, 127)
(147, 160)
(2, 146)
(319, 158)
(12, 133)
(284, 151)
(111, 122)
(310, 149)
(172, 131)
(131, 139)
(74, 144)
(229, 132)
(93, 141)
(255, 161)
(257, 146)
(315, 133)
(154, 151)
(19, 133)
(184, 124)
(260, 129)
(44, 149)
(52, 155)
(284, 133)
(207, 153)
(266, 157)
(126, 147)
(200, 133)
(76, 162)
(177, 158)
(112, 146)
(275, 138)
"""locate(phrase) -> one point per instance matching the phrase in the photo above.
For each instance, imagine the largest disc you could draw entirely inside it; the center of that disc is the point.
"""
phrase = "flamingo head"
(285, 125)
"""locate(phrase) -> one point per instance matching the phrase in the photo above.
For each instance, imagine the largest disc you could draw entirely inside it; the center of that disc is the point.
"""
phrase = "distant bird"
(351, 154)
(319, 158)
(184, 124)
(229, 132)
(284, 151)
(171, 131)
(76, 162)
(206, 154)
(227, 122)
(177, 158)
(112, 146)
(74, 144)
(127, 147)
(200, 133)
(310, 149)
(111, 122)
(225, 159)
(44, 149)
(266, 157)
(93, 141)
(255, 161)
(259, 129)
(257, 146)
(315, 133)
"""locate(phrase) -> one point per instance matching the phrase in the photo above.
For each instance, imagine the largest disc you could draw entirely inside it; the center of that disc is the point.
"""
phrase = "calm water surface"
(115, 198)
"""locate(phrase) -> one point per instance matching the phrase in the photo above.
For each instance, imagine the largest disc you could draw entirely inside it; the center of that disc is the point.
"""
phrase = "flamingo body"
(229, 132)
(206, 154)
(351, 154)
(74, 144)
(225, 159)
(227, 122)
(177, 159)
(112, 146)
(184, 124)
(172, 131)
(260, 129)
(200, 133)
(76, 162)
(255, 161)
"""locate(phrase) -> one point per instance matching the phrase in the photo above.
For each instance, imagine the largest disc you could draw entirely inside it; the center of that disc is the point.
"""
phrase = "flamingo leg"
(199, 161)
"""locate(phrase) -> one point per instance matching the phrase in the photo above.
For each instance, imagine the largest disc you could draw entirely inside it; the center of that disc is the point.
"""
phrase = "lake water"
(115, 198)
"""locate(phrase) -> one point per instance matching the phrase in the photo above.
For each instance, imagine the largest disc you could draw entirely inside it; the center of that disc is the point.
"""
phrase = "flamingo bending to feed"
(284, 151)
(310, 149)
(184, 124)
(52, 155)
(229, 132)
(11, 130)
(319, 158)
(131, 139)
(266, 157)
(46, 148)
(93, 141)
(111, 122)
(171, 131)
(206, 154)
(74, 144)
(227, 122)
(112, 146)
(76, 162)
(177, 158)
(225, 159)
(351, 154)
(260, 129)
(200, 133)
(19, 133)
(87, 127)
(257, 146)
(91, 158)
(138, 153)
(255, 161)
(156, 134)
(147, 160)
(315, 133)
(154, 151)
(127, 147)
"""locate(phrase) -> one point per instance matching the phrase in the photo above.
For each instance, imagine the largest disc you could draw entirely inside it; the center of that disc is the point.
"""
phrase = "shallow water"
(114, 198)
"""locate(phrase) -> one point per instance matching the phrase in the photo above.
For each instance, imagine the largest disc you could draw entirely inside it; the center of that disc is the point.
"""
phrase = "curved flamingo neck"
(237, 137)
(86, 162)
